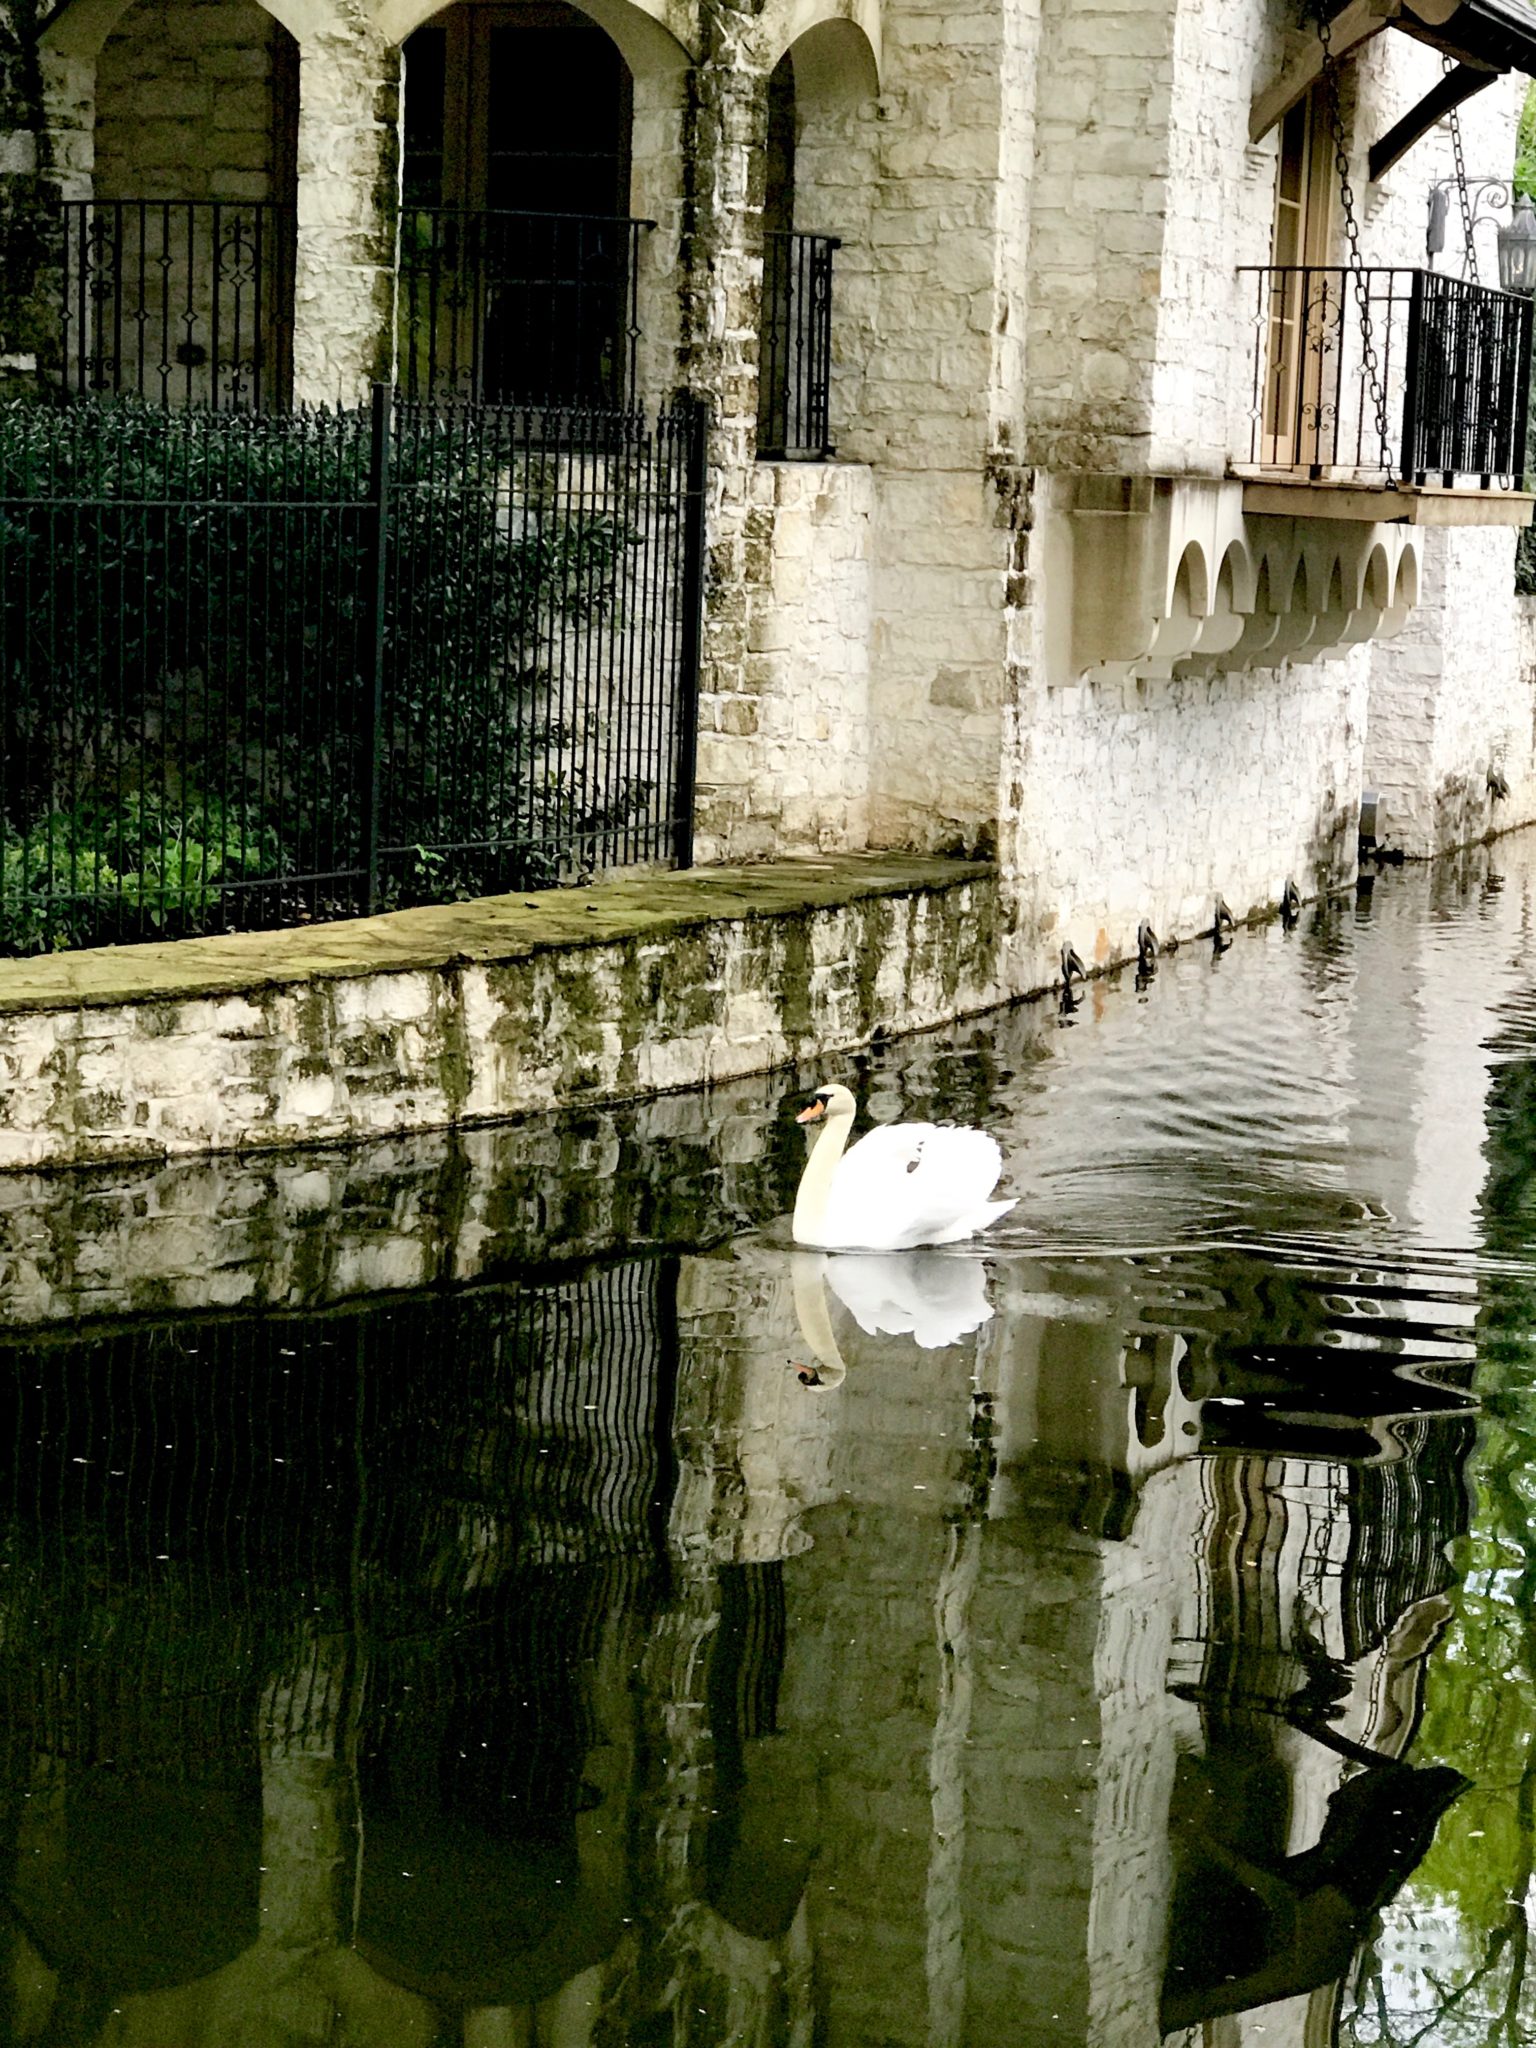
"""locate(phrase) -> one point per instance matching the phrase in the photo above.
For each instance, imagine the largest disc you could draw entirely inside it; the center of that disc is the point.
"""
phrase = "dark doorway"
(516, 180)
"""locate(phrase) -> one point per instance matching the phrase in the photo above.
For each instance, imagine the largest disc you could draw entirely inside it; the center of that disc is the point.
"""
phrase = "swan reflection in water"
(935, 1298)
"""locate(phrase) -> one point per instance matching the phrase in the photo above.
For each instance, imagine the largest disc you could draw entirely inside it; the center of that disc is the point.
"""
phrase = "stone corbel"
(1171, 577)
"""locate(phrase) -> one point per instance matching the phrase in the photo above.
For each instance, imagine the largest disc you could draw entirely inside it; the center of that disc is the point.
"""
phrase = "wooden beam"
(1359, 21)
(1445, 93)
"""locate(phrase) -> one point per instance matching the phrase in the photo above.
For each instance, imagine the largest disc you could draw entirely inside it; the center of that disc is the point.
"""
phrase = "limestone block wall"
(348, 176)
(784, 760)
(185, 103)
(1452, 701)
(925, 184)
(1097, 205)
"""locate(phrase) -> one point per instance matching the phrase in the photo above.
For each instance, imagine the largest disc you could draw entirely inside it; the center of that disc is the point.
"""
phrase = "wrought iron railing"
(1444, 404)
(266, 668)
(522, 308)
(178, 301)
(795, 348)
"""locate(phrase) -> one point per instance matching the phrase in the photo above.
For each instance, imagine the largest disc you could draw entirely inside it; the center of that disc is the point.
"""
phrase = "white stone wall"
(348, 173)
(804, 696)
(1147, 800)
(928, 188)
(1452, 700)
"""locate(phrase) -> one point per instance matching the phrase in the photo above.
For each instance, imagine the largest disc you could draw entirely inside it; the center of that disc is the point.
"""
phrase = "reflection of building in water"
(551, 1664)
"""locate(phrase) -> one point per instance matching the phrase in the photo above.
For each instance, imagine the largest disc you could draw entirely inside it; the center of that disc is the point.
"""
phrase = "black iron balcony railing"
(1444, 405)
(518, 307)
(180, 301)
(795, 351)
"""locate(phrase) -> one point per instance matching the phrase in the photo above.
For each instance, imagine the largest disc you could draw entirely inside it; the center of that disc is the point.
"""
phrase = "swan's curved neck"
(816, 1181)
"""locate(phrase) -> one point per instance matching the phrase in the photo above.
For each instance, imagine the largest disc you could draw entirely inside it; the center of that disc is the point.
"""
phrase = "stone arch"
(177, 250)
(652, 35)
(596, 195)
(78, 29)
(1301, 587)
(836, 54)
(1406, 588)
(819, 174)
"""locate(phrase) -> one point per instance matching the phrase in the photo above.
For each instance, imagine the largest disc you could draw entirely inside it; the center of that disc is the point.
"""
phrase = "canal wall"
(481, 1011)
(1450, 733)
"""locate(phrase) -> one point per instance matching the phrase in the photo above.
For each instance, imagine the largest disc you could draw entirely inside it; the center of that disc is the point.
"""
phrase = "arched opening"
(1192, 585)
(815, 94)
(178, 268)
(519, 254)
(1378, 580)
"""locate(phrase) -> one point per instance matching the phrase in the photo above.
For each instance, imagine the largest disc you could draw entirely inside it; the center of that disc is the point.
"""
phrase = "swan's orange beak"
(812, 1113)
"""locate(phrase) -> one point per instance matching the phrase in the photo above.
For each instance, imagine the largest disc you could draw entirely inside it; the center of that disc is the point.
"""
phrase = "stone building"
(1097, 530)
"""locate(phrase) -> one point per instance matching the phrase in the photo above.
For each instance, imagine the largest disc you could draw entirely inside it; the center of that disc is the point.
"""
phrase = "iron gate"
(263, 669)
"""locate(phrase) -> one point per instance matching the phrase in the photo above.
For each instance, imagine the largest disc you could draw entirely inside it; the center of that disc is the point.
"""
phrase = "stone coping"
(492, 928)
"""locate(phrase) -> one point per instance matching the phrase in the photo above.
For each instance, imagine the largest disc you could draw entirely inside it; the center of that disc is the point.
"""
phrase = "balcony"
(518, 307)
(191, 303)
(1400, 394)
(178, 302)
(794, 385)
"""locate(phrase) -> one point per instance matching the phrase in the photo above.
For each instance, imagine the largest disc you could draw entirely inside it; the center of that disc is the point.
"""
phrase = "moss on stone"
(657, 907)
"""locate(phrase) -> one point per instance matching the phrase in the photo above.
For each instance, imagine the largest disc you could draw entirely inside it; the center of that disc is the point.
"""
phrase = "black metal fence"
(185, 302)
(264, 669)
(518, 307)
(1468, 382)
(1446, 401)
(795, 350)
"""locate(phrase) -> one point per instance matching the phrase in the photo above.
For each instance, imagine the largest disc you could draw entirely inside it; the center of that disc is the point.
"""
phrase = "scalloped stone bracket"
(1170, 577)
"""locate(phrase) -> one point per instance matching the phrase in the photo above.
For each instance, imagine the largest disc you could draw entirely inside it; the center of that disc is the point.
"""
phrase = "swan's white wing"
(923, 1295)
(911, 1184)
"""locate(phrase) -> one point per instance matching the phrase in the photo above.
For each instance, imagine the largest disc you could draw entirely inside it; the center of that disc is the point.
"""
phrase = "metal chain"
(1356, 262)
(1469, 259)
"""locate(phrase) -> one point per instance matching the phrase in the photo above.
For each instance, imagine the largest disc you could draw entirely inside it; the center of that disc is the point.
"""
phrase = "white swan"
(900, 1185)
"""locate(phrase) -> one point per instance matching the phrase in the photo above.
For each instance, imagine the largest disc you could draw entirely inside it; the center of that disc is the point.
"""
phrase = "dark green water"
(494, 1592)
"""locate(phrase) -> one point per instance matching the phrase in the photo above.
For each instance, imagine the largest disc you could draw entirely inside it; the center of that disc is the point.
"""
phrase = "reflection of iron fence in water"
(1313, 1558)
(207, 1524)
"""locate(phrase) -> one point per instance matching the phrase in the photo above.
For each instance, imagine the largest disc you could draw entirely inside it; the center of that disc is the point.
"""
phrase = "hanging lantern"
(1517, 249)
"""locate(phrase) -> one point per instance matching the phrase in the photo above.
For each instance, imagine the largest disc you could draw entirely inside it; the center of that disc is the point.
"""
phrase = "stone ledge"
(491, 928)
(481, 1011)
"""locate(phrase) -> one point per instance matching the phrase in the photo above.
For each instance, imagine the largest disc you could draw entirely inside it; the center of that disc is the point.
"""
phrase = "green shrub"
(187, 607)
